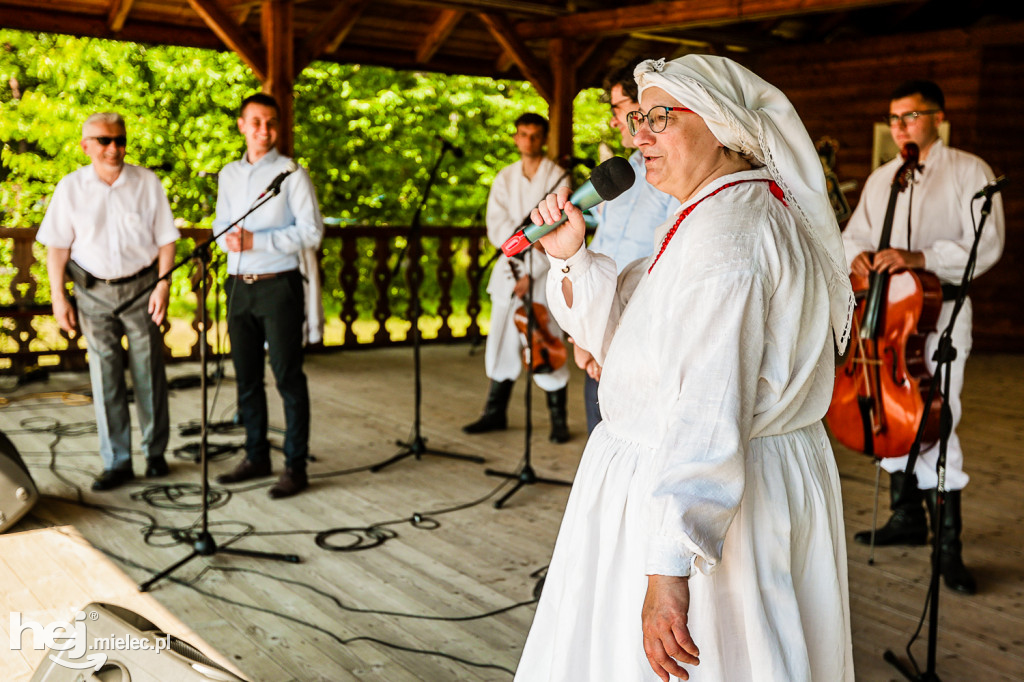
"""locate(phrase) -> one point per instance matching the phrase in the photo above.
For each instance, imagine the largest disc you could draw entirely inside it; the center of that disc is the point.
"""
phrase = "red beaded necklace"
(772, 187)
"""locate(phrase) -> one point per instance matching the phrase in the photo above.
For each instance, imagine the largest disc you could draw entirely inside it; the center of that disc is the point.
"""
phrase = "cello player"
(933, 228)
(517, 189)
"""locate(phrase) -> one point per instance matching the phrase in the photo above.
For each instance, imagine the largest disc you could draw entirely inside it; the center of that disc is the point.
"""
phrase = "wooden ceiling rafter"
(232, 35)
(516, 6)
(532, 68)
(681, 14)
(329, 37)
(438, 33)
(119, 11)
(595, 67)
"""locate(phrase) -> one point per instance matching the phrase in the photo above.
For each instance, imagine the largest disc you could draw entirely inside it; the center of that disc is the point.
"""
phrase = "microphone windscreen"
(291, 167)
(613, 177)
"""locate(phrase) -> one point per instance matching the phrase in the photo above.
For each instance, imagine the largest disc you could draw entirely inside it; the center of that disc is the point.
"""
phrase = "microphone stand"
(203, 544)
(526, 475)
(944, 356)
(417, 444)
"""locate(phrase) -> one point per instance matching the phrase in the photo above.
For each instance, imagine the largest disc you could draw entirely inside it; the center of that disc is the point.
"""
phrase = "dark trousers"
(270, 312)
(590, 402)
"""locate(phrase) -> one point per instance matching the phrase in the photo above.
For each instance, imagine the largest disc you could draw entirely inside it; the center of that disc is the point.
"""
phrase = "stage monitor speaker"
(131, 648)
(17, 490)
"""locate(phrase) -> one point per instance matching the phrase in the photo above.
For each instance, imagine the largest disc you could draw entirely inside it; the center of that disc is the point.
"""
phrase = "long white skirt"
(775, 609)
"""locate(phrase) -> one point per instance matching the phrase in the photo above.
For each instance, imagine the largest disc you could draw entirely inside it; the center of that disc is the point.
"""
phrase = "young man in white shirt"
(932, 228)
(517, 189)
(265, 291)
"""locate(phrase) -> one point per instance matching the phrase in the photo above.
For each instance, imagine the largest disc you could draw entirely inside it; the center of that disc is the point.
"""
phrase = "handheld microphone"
(608, 181)
(991, 188)
(275, 185)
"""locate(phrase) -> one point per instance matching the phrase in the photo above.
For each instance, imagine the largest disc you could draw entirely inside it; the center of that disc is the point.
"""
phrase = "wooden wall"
(842, 89)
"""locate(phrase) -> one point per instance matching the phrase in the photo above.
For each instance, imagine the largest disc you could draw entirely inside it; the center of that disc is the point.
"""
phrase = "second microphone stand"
(203, 543)
(416, 446)
(945, 354)
(526, 475)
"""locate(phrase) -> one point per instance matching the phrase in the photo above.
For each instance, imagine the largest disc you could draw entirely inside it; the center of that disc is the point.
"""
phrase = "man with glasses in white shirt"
(932, 228)
(109, 228)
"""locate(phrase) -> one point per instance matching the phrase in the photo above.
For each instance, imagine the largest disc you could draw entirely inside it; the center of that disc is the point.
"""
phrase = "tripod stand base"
(205, 545)
(417, 447)
(926, 676)
(525, 476)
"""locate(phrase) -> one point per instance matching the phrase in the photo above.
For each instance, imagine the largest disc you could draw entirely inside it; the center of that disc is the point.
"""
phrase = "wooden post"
(563, 68)
(279, 39)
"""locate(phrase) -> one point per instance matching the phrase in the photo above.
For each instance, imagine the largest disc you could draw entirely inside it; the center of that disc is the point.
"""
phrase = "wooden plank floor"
(398, 611)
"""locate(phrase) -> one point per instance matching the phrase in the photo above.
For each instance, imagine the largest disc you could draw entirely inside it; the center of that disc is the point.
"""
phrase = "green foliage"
(368, 135)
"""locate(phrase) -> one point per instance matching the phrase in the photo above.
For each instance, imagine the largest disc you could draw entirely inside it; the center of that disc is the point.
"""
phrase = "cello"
(880, 391)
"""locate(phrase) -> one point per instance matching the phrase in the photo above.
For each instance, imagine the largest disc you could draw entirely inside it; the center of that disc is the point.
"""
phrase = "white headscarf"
(749, 115)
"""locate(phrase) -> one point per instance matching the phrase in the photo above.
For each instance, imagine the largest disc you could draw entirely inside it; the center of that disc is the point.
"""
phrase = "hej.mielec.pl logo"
(74, 639)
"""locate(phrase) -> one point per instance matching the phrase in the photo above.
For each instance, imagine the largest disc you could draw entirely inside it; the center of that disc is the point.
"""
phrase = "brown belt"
(252, 279)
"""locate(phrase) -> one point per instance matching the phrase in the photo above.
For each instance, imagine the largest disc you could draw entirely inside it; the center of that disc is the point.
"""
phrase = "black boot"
(907, 525)
(559, 422)
(951, 564)
(494, 417)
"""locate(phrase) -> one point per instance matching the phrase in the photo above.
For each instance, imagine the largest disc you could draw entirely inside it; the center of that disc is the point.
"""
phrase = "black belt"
(124, 280)
(253, 278)
(950, 292)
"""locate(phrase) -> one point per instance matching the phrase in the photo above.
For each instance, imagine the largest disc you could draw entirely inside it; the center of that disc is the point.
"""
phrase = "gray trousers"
(103, 331)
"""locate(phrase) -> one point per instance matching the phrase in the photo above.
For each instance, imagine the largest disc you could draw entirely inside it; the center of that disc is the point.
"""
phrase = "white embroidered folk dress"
(711, 459)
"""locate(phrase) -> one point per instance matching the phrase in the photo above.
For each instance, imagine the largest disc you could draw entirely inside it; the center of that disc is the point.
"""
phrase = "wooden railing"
(356, 268)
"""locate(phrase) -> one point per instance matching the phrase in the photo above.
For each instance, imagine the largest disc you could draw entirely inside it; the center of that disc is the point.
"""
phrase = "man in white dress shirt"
(109, 227)
(932, 228)
(265, 291)
(516, 190)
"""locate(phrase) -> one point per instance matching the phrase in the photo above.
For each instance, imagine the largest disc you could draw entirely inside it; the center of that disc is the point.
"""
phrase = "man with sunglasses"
(626, 225)
(933, 228)
(109, 227)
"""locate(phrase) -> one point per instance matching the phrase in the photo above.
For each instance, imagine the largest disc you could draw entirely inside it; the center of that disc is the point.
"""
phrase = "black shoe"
(494, 417)
(112, 478)
(489, 421)
(245, 471)
(157, 467)
(291, 482)
(559, 422)
(908, 524)
(954, 573)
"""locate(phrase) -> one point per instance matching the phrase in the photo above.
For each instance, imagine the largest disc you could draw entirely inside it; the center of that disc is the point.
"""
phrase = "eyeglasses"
(657, 118)
(909, 117)
(617, 105)
(120, 140)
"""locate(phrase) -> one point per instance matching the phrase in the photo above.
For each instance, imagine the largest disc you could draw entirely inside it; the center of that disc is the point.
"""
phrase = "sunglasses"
(120, 140)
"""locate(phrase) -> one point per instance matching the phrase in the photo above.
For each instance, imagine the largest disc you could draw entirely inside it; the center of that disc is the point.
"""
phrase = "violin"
(546, 352)
(543, 352)
(880, 391)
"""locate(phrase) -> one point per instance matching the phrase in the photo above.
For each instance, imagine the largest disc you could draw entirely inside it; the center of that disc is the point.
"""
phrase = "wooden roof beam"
(438, 33)
(119, 10)
(331, 34)
(232, 35)
(531, 67)
(676, 14)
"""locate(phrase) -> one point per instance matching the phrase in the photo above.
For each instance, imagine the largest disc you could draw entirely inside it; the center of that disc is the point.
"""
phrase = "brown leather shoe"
(290, 483)
(244, 471)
